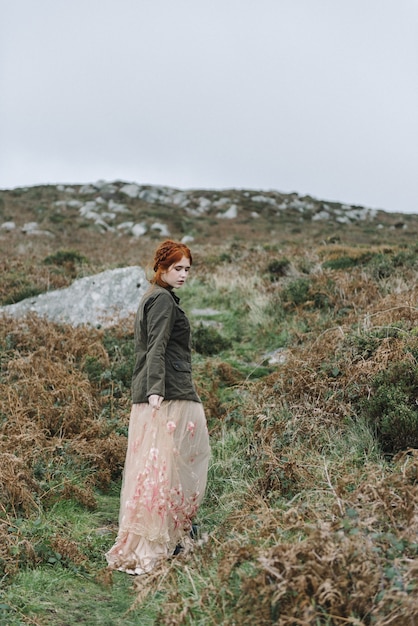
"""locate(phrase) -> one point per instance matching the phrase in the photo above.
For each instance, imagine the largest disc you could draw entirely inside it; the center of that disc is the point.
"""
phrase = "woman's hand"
(155, 401)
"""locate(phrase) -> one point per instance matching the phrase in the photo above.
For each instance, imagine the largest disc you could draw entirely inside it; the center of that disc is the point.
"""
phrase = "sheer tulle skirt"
(163, 483)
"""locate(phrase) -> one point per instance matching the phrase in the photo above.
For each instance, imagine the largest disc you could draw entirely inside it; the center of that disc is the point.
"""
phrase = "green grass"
(59, 591)
(53, 596)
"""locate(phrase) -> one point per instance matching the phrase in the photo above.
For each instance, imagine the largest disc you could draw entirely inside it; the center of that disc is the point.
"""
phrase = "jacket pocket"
(181, 366)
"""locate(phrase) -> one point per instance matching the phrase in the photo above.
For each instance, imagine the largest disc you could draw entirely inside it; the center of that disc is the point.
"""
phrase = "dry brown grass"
(318, 537)
(343, 539)
(353, 556)
(50, 418)
(358, 567)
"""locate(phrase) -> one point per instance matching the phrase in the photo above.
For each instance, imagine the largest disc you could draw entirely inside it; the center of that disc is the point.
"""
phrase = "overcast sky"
(314, 96)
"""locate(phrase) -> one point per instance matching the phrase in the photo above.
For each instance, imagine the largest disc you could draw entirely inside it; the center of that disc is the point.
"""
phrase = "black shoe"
(194, 532)
(179, 548)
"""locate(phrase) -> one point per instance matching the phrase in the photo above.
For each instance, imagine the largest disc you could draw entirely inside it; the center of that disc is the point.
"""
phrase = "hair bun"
(163, 252)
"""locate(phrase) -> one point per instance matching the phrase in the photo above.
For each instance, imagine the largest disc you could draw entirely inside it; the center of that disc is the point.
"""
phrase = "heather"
(308, 373)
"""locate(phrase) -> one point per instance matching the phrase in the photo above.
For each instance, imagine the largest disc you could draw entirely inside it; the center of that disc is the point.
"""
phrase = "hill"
(305, 356)
(117, 224)
(120, 208)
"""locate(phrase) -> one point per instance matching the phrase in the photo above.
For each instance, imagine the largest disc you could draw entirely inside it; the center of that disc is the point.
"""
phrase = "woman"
(167, 458)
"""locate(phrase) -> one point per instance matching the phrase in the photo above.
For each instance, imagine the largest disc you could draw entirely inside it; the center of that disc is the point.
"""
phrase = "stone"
(32, 228)
(321, 215)
(277, 357)
(104, 226)
(8, 226)
(89, 208)
(130, 189)
(221, 202)
(164, 232)
(74, 204)
(157, 195)
(204, 205)
(90, 215)
(108, 215)
(264, 200)
(101, 300)
(180, 198)
(117, 207)
(125, 226)
(230, 214)
(99, 184)
(138, 229)
(87, 189)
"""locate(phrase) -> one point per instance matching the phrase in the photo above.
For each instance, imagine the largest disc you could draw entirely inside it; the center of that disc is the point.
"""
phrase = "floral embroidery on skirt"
(164, 481)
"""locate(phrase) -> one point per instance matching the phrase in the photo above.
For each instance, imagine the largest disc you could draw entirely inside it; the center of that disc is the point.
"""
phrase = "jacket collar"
(176, 298)
(171, 291)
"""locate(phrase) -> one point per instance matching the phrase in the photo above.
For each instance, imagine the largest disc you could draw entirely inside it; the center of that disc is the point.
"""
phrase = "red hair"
(167, 254)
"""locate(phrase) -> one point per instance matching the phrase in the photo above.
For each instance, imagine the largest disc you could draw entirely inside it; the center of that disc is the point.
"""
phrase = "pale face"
(176, 275)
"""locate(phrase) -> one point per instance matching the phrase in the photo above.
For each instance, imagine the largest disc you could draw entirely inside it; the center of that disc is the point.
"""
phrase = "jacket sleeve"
(160, 318)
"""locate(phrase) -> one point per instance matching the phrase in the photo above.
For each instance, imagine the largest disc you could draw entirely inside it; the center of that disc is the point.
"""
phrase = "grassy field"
(308, 374)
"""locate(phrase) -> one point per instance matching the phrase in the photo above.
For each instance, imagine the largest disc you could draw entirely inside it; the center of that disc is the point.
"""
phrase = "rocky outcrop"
(128, 208)
(100, 300)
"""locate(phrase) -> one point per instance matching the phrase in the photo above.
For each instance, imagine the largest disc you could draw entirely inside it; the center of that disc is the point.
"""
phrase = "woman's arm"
(160, 318)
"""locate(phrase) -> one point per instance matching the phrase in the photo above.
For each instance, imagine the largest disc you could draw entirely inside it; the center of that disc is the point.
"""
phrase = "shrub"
(381, 266)
(21, 293)
(297, 291)
(207, 341)
(384, 265)
(277, 268)
(321, 300)
(121, 350)
(363, 345)
(341, 263)
(406, 258)
(64, 257)
(93, 368)
(392, 410)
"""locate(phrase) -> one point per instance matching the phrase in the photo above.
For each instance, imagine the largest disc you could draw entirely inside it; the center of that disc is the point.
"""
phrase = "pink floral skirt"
(164, 480)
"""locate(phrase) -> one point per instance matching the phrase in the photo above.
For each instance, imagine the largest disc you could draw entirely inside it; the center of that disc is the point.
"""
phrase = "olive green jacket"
(162, 349)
